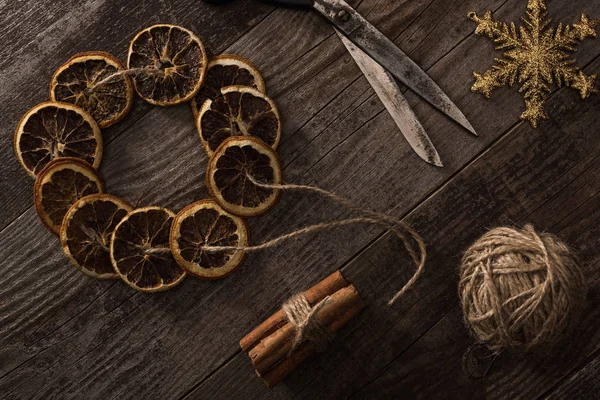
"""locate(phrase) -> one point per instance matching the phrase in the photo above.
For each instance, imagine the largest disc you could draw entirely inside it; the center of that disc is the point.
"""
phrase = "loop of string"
(307, 325)
(414, 244)
(477, 361)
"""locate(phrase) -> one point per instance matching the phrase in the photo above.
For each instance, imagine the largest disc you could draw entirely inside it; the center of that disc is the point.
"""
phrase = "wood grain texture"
(583, 385)
(63, 335)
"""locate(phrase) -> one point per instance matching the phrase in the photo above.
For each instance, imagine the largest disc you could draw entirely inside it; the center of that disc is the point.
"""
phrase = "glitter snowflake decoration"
(535, 56)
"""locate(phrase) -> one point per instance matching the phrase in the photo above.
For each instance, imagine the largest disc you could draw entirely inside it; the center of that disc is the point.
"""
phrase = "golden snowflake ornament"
(536, 56)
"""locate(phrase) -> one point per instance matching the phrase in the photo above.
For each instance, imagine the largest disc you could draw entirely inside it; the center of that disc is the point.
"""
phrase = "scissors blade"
(390, 94)
(360, 31)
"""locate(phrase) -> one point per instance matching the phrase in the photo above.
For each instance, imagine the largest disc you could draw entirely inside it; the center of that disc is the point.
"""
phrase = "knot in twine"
(308, 326)
(520, 289)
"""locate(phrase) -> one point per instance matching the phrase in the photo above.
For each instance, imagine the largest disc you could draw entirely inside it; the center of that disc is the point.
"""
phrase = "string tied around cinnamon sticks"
(412, 241)
(308, 325)
(273, 346)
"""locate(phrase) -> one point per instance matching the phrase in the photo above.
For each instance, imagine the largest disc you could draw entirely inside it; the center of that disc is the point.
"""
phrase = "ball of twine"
(520, 290)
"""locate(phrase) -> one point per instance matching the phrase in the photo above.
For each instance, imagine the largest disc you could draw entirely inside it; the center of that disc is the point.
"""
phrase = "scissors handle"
(290, 3)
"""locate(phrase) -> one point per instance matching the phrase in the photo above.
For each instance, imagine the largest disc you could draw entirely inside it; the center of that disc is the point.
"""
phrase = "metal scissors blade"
(394, 101)
(364, 35)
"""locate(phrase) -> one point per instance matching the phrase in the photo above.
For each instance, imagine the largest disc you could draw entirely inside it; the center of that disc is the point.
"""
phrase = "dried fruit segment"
(240, 111)
(59, 185)
(52, 130)
(175, 63)
(227, 70)
(85, 81)
(233, 170)
(87, 230)
(140, 251)
(204, 223)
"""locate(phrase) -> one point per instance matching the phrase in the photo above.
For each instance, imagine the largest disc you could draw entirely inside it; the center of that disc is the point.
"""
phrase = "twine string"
(94, 236)
(157, 250)
(477, 361)
(413, 243)
(308, 327)
(128, 72)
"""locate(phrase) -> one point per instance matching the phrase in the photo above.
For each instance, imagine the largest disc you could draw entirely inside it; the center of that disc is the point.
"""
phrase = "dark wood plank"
(583, 385)
(62, 333)
(41, 35)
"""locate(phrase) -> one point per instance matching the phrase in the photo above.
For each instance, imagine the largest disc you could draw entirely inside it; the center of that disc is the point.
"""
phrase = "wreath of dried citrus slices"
(59, 144)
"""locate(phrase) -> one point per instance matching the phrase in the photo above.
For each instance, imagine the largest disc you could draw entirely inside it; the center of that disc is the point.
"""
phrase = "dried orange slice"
(59, 185)
(226, 70)
(240, 111)
(51, 130)
(204, 223)
(85, 81)
(87, 230)
(229, 171)
(175, 61)
(140, 252)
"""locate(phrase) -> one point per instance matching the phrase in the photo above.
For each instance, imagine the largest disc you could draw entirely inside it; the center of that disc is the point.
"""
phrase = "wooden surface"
(63, 335)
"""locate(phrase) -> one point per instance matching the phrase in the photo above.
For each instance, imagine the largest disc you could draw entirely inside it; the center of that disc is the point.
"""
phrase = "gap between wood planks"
(430, 195)
(566, 389)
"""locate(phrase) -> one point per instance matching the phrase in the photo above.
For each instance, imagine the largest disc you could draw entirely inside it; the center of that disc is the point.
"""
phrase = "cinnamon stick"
(287, 365)
(345, 300)
(270, 344)
(327, 286)
(345, 303)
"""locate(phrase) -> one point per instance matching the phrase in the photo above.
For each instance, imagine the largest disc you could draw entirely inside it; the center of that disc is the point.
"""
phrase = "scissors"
(380, 60)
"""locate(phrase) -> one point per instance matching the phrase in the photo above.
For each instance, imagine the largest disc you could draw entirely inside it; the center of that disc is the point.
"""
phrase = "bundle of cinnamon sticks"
(270, 345)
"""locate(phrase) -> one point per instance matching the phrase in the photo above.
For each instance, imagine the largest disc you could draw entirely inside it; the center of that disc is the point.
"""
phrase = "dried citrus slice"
(76, 82)
(227, 70)
(229, 171)
(240, 111)
(175, 61)
(204, 223)
(86, 232)
(140, 251)
(59, 185)
(51, 130)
